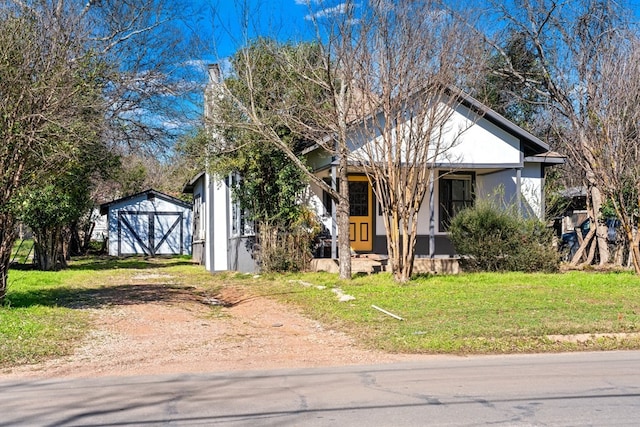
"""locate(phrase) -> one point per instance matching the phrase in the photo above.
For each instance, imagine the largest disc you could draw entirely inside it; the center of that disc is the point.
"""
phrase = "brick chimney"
(214, 73)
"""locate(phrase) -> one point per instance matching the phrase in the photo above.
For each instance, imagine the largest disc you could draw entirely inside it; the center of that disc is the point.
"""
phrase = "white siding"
(480, 142)
(498, 187)
(501, 188)
(423, 215)
(533, 190)
(466, 139)
(218, 225)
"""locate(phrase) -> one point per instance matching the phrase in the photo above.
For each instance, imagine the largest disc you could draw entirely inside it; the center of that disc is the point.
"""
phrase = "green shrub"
(490, 239)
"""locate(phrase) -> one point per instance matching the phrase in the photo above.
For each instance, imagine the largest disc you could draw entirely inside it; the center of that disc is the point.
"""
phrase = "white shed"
(148, 223)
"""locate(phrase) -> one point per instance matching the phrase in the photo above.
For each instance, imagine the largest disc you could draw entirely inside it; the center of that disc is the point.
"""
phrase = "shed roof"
(150, 194)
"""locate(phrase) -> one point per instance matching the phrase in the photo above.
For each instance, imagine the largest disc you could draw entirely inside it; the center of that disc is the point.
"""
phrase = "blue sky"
(219, 21)
(222, 21)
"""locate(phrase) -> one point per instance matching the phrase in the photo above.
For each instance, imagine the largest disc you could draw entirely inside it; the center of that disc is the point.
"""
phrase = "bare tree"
(410, 59)
(614, 144)
(577, 45)
(62, 64)
(376, 69)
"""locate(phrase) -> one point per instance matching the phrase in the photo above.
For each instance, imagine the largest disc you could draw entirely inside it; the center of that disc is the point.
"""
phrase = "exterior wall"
(240, 257)
(478, 142)
(167, 236)
(498, 187)
(532, 183)
(467, 139)
(316, 203)
(502, 188)
(423, 215)
(224, 251)
(200, 213)
(218, 225)
(101, 226)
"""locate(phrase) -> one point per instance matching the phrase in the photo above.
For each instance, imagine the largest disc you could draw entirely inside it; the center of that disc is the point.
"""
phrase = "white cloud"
(327, 12)
(198, 64)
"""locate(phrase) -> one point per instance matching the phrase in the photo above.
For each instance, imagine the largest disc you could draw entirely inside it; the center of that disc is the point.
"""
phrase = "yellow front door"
(360, 214)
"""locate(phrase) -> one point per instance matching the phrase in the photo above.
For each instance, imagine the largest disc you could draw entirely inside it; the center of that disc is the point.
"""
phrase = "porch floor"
(375, 263)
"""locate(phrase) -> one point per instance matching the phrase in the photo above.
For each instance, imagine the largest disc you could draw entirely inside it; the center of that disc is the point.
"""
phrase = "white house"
(148, 223)
(492, 158)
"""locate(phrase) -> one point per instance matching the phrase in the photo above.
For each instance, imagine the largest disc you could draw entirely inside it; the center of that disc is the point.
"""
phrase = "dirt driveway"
(180, 333)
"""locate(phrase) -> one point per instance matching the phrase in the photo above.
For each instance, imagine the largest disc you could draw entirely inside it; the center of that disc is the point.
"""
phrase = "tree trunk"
(592, 251)
(5, 260)
(601, 229)
(393, 240)
(634, 250)
(597, 229)
(580, 252)
(342, 216)
(47, 245)
(7, 238)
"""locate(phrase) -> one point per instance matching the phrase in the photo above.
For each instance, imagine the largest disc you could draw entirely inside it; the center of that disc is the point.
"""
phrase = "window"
(326, 198)
(198, 218)
(456, 193)
(359, 198)
(240, 224)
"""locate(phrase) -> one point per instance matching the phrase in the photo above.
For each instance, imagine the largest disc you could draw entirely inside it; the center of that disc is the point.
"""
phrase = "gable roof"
(189, 186)
(150, 194)
(531, 145)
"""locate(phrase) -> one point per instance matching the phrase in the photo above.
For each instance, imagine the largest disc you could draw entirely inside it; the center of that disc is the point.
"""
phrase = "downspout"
(543, 205)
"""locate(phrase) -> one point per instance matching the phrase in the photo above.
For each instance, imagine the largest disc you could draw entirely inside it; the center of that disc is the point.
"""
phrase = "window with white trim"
(455, 193)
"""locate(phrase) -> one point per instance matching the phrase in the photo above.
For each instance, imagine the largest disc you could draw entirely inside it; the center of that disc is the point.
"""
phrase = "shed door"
(150, 233)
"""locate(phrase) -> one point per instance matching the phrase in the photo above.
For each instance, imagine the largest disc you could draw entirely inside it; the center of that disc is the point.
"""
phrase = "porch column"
(519, 190)
(432, 216)
(334, 217)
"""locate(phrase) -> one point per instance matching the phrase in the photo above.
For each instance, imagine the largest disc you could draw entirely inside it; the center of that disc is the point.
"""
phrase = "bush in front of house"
(491, 239)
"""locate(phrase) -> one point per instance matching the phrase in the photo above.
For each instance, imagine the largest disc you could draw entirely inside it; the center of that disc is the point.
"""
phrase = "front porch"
(375, 263)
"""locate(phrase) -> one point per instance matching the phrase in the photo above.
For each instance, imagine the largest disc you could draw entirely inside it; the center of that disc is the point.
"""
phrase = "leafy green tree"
(311, 97)
(509, 95)
(270, 186)
(47, 107)
(49, 210)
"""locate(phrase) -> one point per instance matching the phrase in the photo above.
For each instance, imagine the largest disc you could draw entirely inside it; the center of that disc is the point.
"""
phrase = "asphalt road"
(532, 390)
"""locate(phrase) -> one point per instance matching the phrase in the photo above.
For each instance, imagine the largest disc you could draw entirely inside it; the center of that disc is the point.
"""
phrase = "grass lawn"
(473, 313)
(46, 312)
